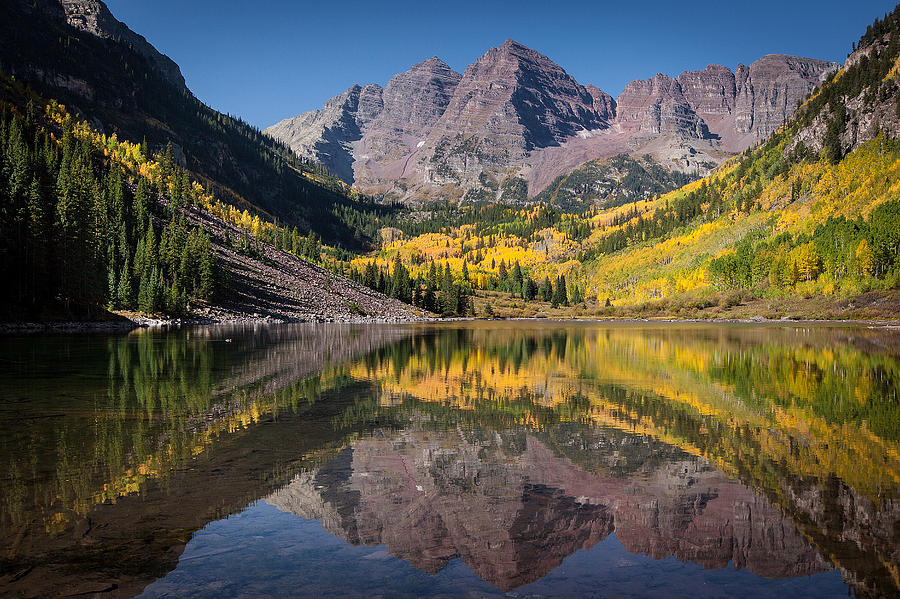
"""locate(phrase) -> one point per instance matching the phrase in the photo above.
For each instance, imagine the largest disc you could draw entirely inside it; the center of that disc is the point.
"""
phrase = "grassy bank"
(734, 305)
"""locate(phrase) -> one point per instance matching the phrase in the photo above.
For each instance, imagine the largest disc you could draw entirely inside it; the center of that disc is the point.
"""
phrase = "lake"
(482, 459)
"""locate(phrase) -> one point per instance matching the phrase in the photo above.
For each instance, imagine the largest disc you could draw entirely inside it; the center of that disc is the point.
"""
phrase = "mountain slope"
(382, 126)
(611, 182)
(515, 114)
(813, 211)
(76, 52)
(93, 16)
(90, 224)
(806, 223)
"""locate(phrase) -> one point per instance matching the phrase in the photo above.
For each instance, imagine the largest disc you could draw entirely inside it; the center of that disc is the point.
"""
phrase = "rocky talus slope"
(515, 113)
(273, 284)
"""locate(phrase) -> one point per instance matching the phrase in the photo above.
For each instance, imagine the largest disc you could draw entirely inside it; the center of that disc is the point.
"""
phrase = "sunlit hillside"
(812, 211)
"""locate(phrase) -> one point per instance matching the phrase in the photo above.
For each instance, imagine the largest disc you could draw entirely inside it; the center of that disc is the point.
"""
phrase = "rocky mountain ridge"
(77, 53)
(514, 113)
(93, 16)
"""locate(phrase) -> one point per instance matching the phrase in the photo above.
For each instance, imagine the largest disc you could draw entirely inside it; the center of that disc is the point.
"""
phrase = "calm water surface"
(471, 460)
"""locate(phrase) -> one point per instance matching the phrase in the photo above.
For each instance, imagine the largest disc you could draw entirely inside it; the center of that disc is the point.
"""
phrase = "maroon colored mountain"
(515, 113)
(367, 133)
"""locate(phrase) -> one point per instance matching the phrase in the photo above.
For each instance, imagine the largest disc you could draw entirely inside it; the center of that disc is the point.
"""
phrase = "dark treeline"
(516, 281)
(78, 236)
(438, 292)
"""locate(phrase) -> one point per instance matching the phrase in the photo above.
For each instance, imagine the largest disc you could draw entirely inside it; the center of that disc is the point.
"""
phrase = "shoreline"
(127, 324)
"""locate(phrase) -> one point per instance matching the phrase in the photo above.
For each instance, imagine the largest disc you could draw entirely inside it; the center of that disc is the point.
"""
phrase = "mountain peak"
(434, 61)
(433, 65)
(511, 43)
(517, 50)
(416, 98)
(94, 17)
(518, 99)
(514, 108)
(786, 66)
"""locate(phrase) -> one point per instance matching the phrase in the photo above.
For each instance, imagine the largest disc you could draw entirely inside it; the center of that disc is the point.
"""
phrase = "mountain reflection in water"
(513, 506)
(504, 448)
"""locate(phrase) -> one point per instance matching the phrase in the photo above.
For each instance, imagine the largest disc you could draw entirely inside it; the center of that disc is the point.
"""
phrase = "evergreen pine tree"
(401, 286)
(560, 295)
(529, 291)
(124, 292)
(448, 299)
(546, 290)
(517, 278)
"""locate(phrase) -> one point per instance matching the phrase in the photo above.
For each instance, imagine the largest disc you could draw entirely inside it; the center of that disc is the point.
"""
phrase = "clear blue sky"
(271, 59)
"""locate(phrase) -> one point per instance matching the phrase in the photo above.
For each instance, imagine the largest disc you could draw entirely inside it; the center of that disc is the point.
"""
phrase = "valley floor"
(281, 288)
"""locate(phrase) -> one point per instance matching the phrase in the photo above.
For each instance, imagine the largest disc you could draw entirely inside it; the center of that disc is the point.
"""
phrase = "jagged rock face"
(370, 104)
(325, 135)
(368, 124)
(515, 91)
(411, 104)
(94, 17)
(714, 102)
(514, 112)
(710, 91)
(514, 515)
(604, 104)
(509, 102)
(871, 111)
(769, 90)
(657, 106)
(416, 99)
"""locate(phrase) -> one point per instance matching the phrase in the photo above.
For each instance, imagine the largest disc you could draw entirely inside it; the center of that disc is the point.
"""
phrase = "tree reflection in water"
(508, 446)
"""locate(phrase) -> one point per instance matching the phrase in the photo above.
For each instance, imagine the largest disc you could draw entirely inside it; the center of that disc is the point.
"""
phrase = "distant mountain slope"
(514, 113)
(805, 223)
(77, 52)
(611, 182)
(379, 126)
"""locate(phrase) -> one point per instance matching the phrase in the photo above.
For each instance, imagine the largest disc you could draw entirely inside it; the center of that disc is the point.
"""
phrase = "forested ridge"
(612, 182)
(80, 235)
(92, 223)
